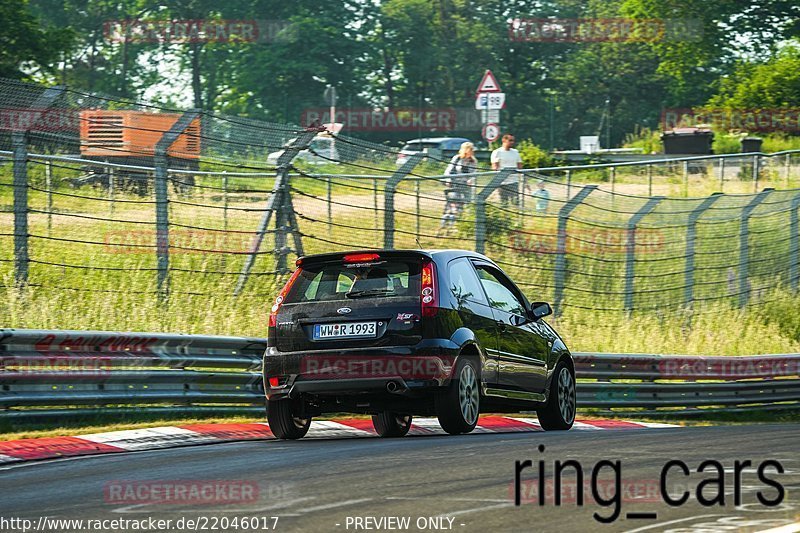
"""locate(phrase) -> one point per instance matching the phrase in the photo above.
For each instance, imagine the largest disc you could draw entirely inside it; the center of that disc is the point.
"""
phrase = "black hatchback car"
(396, 333)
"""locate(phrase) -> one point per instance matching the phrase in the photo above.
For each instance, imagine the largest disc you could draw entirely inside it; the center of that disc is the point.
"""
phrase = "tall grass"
(202, 301)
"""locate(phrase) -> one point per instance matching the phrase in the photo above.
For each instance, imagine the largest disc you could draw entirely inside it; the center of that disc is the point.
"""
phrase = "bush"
(778, 142)
(533, 156)
(647, 140)
(727, 143)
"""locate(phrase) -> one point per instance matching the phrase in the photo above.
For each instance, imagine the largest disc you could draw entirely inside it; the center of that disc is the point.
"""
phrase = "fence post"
(630, 247)
(225, 200)
(19, 147)
(756, 171)
(48, 179)
(480, 208)
(649, 180)
(685, 179)
(375, 199)
(112, 178)
(561, 244)
(277, 198)
(722, 174)
(794, 244)
(569, 183)
(160, 162)
(787, 164)
(416, 192)
(744, 245)
(691, 234)
(613, 181)
(329, 192)
(388, 197)
(19, 142)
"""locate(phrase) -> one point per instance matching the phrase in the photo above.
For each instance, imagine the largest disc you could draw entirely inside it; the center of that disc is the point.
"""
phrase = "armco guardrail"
(41, 371)
(61, 373)
(688, 382)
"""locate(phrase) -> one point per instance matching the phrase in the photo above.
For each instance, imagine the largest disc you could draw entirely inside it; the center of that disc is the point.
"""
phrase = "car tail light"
(360, 258)
(274, 381)
(273, 315)
(428, 296)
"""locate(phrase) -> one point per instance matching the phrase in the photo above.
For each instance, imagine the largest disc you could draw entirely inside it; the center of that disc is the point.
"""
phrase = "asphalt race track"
(335, 484)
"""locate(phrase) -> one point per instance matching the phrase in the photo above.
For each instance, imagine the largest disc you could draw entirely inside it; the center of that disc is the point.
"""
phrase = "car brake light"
(428, 296)
(273, 315)
(360, 258)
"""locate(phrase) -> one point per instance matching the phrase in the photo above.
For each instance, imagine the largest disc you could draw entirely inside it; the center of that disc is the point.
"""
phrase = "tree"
(98, 59)
(24, 44)
(277, 80)
(774, 83)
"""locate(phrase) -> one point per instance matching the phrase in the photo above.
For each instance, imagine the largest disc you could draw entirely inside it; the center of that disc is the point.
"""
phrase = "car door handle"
(501, 325)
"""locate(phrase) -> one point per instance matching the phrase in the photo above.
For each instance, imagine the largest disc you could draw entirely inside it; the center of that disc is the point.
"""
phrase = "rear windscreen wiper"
(369, 292)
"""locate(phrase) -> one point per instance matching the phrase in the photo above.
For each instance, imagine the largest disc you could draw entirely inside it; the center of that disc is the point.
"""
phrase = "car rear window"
(340, 281)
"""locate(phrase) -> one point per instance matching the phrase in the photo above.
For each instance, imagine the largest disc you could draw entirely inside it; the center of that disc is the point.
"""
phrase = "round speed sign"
(491, 132)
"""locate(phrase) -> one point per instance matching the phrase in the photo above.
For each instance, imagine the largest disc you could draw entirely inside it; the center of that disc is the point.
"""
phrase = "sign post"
(330, 98)
(489, 99)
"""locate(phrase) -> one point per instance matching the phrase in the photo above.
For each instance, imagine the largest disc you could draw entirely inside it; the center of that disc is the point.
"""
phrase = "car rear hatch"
(352, 300)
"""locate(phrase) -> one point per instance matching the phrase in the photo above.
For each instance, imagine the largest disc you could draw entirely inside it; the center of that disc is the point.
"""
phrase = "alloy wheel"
(468, 394)
(566, 395)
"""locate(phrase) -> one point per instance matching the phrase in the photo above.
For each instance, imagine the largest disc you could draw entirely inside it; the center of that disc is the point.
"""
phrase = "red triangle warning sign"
(489, 83)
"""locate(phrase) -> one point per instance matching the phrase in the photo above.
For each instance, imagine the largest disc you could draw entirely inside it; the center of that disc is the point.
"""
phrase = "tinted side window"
(464, 283)
(500, 296)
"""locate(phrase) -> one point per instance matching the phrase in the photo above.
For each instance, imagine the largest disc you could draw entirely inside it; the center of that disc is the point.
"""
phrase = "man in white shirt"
(507, 157)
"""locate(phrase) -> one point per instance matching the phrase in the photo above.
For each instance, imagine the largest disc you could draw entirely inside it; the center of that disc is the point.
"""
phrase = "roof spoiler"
(339, 256)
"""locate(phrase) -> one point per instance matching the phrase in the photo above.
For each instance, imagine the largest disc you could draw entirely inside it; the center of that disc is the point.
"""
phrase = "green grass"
(202, 284)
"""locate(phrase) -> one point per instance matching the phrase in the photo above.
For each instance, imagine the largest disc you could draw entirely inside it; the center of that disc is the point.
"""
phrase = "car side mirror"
(539, 310)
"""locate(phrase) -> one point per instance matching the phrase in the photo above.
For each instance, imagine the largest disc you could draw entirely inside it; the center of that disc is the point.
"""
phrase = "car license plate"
(345, 330)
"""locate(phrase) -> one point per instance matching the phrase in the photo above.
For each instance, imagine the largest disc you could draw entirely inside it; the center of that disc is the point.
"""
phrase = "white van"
(322, 151)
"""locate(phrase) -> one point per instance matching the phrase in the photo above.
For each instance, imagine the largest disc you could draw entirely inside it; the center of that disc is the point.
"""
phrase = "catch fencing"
(112, 203)
(83, 373)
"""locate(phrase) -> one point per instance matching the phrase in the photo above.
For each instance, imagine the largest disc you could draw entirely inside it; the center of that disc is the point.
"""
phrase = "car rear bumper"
(394, 370)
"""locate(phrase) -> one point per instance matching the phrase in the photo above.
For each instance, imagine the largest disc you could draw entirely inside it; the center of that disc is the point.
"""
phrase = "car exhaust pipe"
(392, 386)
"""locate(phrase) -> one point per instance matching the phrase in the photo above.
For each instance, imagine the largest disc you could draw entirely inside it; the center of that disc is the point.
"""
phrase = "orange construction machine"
(130, 138)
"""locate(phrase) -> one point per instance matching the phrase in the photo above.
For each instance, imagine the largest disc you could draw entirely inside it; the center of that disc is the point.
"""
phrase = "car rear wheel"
(559, 413)
(284, 423)
(388, 424)
(457, 408)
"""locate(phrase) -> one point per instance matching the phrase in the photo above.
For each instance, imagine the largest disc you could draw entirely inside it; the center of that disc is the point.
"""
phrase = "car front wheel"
(457, 408)
(559, 413)
(283, 422)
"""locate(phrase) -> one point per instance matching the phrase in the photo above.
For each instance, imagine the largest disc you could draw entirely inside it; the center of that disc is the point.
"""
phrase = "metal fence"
(210, 207)
(209, 233)
(82, 373)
